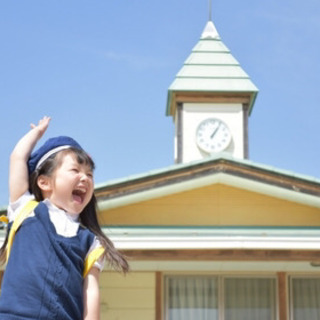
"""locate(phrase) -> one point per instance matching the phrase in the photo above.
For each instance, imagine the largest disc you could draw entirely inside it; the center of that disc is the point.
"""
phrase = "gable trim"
(283, 190)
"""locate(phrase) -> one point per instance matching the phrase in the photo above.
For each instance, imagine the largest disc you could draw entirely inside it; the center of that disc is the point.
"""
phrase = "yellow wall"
(214, 205)
(130, 297)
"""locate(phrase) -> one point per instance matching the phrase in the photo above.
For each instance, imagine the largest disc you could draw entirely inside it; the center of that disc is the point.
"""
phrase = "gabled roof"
(211, 68)
(223, 169)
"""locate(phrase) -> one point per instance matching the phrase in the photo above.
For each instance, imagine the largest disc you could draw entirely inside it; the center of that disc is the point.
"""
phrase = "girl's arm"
(91, 295)
(18, 172)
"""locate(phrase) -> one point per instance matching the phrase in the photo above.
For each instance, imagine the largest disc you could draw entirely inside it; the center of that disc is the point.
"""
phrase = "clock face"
(213, 135)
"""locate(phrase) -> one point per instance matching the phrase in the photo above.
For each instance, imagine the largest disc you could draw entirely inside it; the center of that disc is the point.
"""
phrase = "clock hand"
(215, 131)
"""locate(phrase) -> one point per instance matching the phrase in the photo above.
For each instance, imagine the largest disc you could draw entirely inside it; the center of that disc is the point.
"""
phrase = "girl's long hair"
(88, 217)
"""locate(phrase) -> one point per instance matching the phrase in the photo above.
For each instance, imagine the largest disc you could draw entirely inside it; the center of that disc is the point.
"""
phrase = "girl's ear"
(44, 183)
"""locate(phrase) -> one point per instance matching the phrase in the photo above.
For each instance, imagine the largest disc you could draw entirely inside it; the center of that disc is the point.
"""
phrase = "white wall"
(194, 113)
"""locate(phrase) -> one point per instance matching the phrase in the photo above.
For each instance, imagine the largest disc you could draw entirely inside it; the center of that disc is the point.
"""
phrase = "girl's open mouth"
(79, 195)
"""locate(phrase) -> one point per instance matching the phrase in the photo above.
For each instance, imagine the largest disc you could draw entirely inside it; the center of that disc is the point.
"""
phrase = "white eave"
(264, 238)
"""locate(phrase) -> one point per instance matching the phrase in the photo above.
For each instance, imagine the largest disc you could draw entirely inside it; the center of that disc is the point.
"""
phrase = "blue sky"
(101, 70)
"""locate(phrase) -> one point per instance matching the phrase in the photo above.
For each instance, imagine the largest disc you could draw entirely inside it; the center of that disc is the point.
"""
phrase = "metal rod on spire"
(210, 10)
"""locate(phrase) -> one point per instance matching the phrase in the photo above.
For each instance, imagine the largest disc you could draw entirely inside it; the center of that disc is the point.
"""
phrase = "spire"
(210, 31)
(210, 69)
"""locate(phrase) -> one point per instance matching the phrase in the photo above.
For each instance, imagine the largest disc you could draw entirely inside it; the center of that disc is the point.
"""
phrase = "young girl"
(59, 249)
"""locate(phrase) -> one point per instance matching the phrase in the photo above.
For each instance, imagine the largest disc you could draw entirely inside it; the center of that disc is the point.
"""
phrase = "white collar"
(55, 209)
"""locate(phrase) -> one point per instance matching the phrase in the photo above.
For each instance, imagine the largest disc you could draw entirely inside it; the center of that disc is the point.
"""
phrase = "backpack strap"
(92, 257)
(22, 215)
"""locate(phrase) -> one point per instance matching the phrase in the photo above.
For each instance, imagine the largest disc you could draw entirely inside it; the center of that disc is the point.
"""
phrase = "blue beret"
(50, 147)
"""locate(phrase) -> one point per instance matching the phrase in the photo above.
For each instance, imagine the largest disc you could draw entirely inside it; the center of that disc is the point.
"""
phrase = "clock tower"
(210, 101)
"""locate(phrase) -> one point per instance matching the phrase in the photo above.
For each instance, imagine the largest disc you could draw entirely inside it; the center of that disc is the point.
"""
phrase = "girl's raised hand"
(42, 125)
(18, 174)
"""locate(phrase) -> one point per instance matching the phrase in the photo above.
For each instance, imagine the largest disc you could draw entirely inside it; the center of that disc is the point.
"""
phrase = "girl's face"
(71, 185)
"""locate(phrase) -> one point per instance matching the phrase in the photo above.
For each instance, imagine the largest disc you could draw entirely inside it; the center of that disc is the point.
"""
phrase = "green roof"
(214, 157)
(220, 168)
(211, 68)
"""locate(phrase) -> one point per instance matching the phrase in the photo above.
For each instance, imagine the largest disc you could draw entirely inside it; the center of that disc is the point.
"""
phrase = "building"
(214, 236)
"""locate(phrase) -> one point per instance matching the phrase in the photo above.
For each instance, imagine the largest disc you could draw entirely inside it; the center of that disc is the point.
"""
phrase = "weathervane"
(210, 9)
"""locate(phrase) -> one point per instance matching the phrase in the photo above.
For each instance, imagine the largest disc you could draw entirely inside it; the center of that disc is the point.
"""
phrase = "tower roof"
(211, 69)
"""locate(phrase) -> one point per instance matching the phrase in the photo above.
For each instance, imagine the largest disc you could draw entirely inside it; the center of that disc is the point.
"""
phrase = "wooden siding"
(128, 297)
(214, 205)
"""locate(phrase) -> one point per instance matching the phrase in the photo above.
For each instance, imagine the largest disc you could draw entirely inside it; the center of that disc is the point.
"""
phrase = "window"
(305, 298)
(192, 298)
(220, 298)
(249, 299)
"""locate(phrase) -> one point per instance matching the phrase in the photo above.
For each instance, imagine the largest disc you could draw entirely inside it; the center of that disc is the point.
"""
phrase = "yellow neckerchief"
(91, 258)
